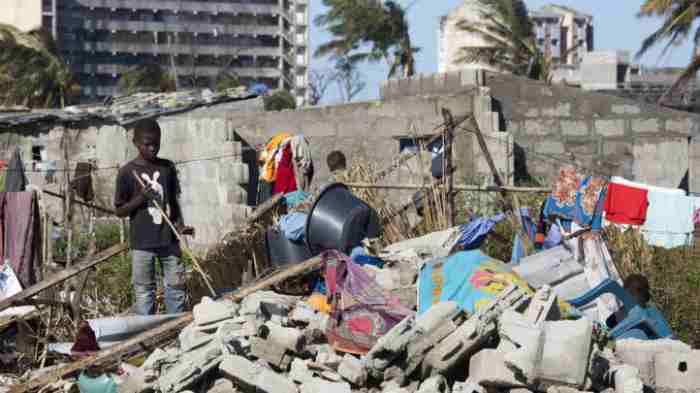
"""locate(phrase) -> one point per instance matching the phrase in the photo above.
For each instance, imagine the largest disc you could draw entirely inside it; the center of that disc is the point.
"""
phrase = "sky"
(616, 27)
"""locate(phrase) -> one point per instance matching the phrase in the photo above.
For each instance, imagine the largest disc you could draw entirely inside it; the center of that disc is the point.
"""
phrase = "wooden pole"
(448, 172)
(183, 244)
(455, 188)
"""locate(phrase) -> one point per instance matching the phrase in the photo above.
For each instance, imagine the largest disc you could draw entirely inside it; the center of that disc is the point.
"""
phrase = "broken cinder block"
(434, 384)
(488, 368)
(289, 338)
(640, 354)
(209, 311)
(274, 354)
(318, 385)
(353, 370)
(255, 377)
(677, 371)
(390, 346)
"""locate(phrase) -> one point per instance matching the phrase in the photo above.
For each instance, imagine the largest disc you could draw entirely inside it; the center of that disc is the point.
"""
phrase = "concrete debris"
(253, 377)
(436, 384)
(468, 387)
(353, 370)
(208, 311)
(317, 385)
(677, 371)
(222, 385)
(517, 343)
(640, 354)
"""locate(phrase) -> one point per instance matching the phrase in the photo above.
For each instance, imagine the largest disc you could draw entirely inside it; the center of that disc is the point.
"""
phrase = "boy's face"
(148, 145)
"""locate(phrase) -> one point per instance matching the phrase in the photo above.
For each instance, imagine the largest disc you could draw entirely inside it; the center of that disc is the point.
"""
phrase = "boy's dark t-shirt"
(148, 230)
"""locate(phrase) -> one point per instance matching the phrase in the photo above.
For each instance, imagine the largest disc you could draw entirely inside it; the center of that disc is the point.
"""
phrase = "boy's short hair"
(145, 127)
(336, 161)
(637, 286)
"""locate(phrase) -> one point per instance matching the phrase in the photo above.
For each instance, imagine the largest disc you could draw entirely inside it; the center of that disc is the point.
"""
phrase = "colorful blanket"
(576, 199)
(469, 278)
(362, 311)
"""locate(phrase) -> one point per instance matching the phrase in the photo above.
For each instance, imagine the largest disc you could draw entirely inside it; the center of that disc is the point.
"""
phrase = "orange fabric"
(319, 302)
(269, 171)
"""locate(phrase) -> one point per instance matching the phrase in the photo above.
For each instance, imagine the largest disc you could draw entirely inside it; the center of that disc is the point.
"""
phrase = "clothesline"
(461, 187)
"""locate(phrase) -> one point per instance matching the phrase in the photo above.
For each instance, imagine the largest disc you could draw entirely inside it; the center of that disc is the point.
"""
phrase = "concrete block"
(681, 126)
(627, 380)
(434, 384)
(274, 354)
(574, 128)
(303, 313)
(610, 127)
(541, 305)
(390, 346)
(433, 326)
(222, 385)
(326, 356)
(255, 377)
(550, 147)
(566, 342)
(393, 387)
(488, 368)
(191, 338)
(208, 311)
(317, 385)
(561, 110)
(468, 387)
(299, 371)
(541, 127)
(471, 335)
(640, 354)
(646, 126)
(251, 303)
(190, 368)
(624, 109)
(526, 344)
(549, 267)
(353, 370)
(288, 338)
(677, 371)
(559, 389)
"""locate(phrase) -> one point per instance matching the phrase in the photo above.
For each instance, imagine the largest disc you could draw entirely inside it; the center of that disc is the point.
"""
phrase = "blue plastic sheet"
(296, 198)
(474, 232)
(293, 225)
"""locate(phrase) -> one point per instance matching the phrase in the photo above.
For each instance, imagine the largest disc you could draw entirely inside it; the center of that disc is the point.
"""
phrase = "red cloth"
(85, 340)
(626, 205)
(285, 182)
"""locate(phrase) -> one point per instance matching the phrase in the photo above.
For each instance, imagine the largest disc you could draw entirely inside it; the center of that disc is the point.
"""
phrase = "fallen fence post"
(264, 208)
(448, 170)
(166, 329)
(64, 275)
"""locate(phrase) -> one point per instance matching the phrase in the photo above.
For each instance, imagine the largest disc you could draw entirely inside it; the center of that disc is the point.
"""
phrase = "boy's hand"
(185, 230)
(149, 193)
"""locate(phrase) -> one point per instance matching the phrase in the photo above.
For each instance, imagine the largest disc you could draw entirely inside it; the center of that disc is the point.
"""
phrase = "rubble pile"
(272, 343)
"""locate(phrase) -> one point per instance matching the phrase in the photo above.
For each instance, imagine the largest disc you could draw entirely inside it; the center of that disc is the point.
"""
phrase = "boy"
(637, 286)
(150, 235)
(336, 164)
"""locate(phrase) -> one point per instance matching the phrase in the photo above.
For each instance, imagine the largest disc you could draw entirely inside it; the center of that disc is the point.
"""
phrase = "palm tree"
(368, 30)
(150, 78)
(507, 30)
(679, 16)
(32, 72)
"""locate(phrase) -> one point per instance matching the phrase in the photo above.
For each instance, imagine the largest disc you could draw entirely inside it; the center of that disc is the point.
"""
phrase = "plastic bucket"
(282, 251)
(339, 221)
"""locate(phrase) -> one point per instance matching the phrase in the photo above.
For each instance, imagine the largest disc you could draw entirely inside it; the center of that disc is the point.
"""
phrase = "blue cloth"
(296, 198)
(293, 225)
(583, 213)
(101, 384)
(669, 220)
(518, 250)
(554, 237)
(363, 260)
(474, 232)
(321, 286)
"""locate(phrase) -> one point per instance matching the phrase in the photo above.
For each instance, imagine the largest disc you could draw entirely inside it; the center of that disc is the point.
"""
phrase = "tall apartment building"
(262, 41)
(561, 33)
(29, 14)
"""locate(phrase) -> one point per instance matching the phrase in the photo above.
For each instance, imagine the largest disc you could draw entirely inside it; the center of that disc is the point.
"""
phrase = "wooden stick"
(456, 188)
(183, 244)
(165, 329)
(265, 207)
(64, 275)
(447, 165)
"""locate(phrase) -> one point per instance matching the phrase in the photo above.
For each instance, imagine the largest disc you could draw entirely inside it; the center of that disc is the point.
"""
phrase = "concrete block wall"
(607, 134)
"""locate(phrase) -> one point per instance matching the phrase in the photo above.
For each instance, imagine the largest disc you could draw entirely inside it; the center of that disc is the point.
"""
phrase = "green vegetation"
(148, 78)
(280, 100)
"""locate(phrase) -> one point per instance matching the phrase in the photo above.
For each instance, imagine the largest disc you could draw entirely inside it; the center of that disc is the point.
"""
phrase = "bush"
(280, 100)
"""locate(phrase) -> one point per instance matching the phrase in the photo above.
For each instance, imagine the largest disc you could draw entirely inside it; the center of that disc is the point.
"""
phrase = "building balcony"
(206, 71)
(180, 49)
(194, 7)
(200, 28)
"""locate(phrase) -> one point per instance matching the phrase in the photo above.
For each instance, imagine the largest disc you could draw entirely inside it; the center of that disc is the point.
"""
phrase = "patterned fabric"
(577, 200)
(271, 155)
(469, 278)
(362, 311)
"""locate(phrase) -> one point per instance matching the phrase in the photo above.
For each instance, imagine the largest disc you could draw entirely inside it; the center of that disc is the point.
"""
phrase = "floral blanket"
(577, 199)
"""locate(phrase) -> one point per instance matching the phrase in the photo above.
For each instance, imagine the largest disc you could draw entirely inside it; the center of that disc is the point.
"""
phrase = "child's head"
(637, 286)
(336, 161)
(147, 139)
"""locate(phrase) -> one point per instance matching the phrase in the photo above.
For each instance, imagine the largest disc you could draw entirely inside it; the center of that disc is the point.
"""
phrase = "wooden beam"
(158, 333)
(448, 173)
(265, 207)
(64, 275)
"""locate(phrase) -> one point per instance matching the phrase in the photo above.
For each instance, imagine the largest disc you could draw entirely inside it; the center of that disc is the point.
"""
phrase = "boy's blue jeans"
(143, 274)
